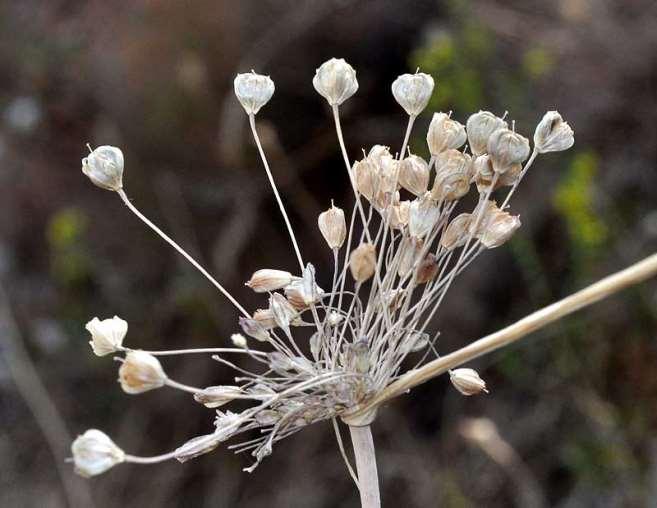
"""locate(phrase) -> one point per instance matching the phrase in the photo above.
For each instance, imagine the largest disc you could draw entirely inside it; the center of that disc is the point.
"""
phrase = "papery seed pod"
(413, 91)
(467, 381)
(239, 340)
(107, 335)
(444, 134)
(365, 177)
(400, 214)
(479, 127)
(226, 424)
(298, 298)
(387, 173)
(254, 328)
(484, 174)
(253, 91)
(335, 80)
(334, 318)
(333, 226)
(393, 298)
(428, 269)
(383, 200)
(499, 229)
(553, 134)
(414, 175)
(457, 232)
(265, 318)
(316, 344)
(416, 342)
(358, 356)
(94, 453)
(423, 215)
(104, 167)
(141, 372)
(267, 417)
(310, 290)
(196, 447)
(217, 396)
(362, 262)
(484, 212)
(377, 153)
(410, 250)
(265, 280)
(507, 148)
(454, 173)
(282, 311)
(279, 362)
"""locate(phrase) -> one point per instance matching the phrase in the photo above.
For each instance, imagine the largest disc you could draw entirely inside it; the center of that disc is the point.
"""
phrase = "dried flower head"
(414, 175)
(480, 126)
(507, 149)
(454, 172)
(104, 167)
(444, 134)
(94, 453)
(467, 381)
(413, 91)
(553, 134)
(107, 335)
(335, 80)
(253, 91)
(141, 372)
(333, 226)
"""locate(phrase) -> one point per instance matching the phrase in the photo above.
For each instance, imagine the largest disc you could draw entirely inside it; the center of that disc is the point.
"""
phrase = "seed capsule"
(333, 226)
(457, 232)
(106, 335)
(414, 175)
(362, 262)
(467, 381)
(253, 91)
(454, 173)
(217, 396)
(499, 229)
(413, 91)
(365, 177)
(480, 126)
(484, 174)
(428, 269)
(507, 148)
(104, 167)
(335, 80)
(94, 453)
(265, 280)
(141, 372)
(239, 340)
(553, 134)
(444, 134)
(423, 215)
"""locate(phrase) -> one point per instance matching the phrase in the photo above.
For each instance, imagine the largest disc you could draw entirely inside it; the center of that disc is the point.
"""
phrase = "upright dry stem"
(368, 478)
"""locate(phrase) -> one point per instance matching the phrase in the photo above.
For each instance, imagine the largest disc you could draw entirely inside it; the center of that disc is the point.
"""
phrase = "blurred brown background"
(573, 410)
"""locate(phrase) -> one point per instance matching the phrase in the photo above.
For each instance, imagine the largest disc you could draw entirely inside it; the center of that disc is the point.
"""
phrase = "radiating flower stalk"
(319, 352)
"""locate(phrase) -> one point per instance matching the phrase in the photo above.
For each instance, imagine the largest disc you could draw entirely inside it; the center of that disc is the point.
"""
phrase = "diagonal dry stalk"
(634, 274)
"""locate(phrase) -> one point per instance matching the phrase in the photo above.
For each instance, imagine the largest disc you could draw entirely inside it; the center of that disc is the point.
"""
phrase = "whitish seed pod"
(388, 174)
(377, 152)
(484, 212)
(411, 248)
(454, 172)
(365, 177)
(141, 372)
(196, 447)
(428, 269)
(507, 148)
(253, 328)
(265, 280)
(282, 311)
(335, 80)
(358, 356)
(394, 298)
(413, 91)
(239, 340)
(362, 262)
(334, 318)
(333, 227)
(104, 167)
(94, 453)
(422, 216)
(499, 229)
(415, 342)
(479, 127)
(217, 396)
(457, 232)
(265, 318)
(484, 174)
(106, 335)
(280, 362)
(267, 417)
(299, 298)
(414, 175)
(310, 290)
(400, 214)
(467, 381)
(253, 91)
(553, 134)
(444, 134)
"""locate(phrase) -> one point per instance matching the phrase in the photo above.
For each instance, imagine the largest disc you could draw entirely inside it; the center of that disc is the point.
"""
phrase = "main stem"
(368, 479)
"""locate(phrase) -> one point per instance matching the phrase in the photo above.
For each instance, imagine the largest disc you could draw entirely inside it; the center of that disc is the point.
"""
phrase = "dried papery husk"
(362, 262)
(484, 174)
(454, 172)
(365, 177)
(506, 149)
(414, 175)
(265, 280)
(411, 248)
(499, 229)
(400, 214)
(480, 126)
(428, 269)
(444, 134)
(423, 216)
(457, 232)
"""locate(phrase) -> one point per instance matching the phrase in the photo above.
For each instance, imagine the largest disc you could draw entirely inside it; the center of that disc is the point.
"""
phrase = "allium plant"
(322, 354)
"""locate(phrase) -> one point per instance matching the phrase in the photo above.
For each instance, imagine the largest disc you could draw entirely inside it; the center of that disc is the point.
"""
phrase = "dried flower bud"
(423, 215)
(335, 80)
(467, 381)
(253, 91)
(239, 340)
(377, 152)
(484, 174)
(499, 229)
(416, 342)
(107, 335)
(196, 447)
(362, 262)
(457, 232)
(553, 134)
(414, 175)
(444, 134)
(298, 296)
(104, 167)
(217, 396)
(400, 214)
(282, 311)
(480, 126)
(265, 318)
(507, 148)
(253, 328)
(428, 269)
(413, 91)
(365, 177)
(94, 453)
(333, 226)
(265, 280)
(280, 362)
(141, 372)
(454, 171)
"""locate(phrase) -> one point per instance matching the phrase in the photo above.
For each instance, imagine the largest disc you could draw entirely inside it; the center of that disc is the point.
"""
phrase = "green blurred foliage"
(70, 264)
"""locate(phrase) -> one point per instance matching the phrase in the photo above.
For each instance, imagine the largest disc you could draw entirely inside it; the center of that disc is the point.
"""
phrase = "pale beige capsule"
(414, 175)
(457, 232)
(265, 318)
(94, 453)
(507, 148)
(141, 372)
(499, 229)
(265, 280)
(333, 226)
(253, 91)
(298, 297)
(362, 262)
(444, 134)
(197, 446)
(413, 91)
(107, 335)
(479, 127)
(454, 172)
(335, 80)
(217, 396)
(553, 134)
(104, 167)
(411, 248)
(467, 381)
(400, 214)
(423, 215)
(484, 174)
(365, 177)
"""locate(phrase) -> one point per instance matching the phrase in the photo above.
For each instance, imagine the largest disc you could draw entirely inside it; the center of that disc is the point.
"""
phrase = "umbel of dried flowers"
(319, 353)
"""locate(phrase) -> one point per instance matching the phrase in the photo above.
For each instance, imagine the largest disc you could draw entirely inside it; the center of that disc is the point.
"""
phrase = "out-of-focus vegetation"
(576, 405)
